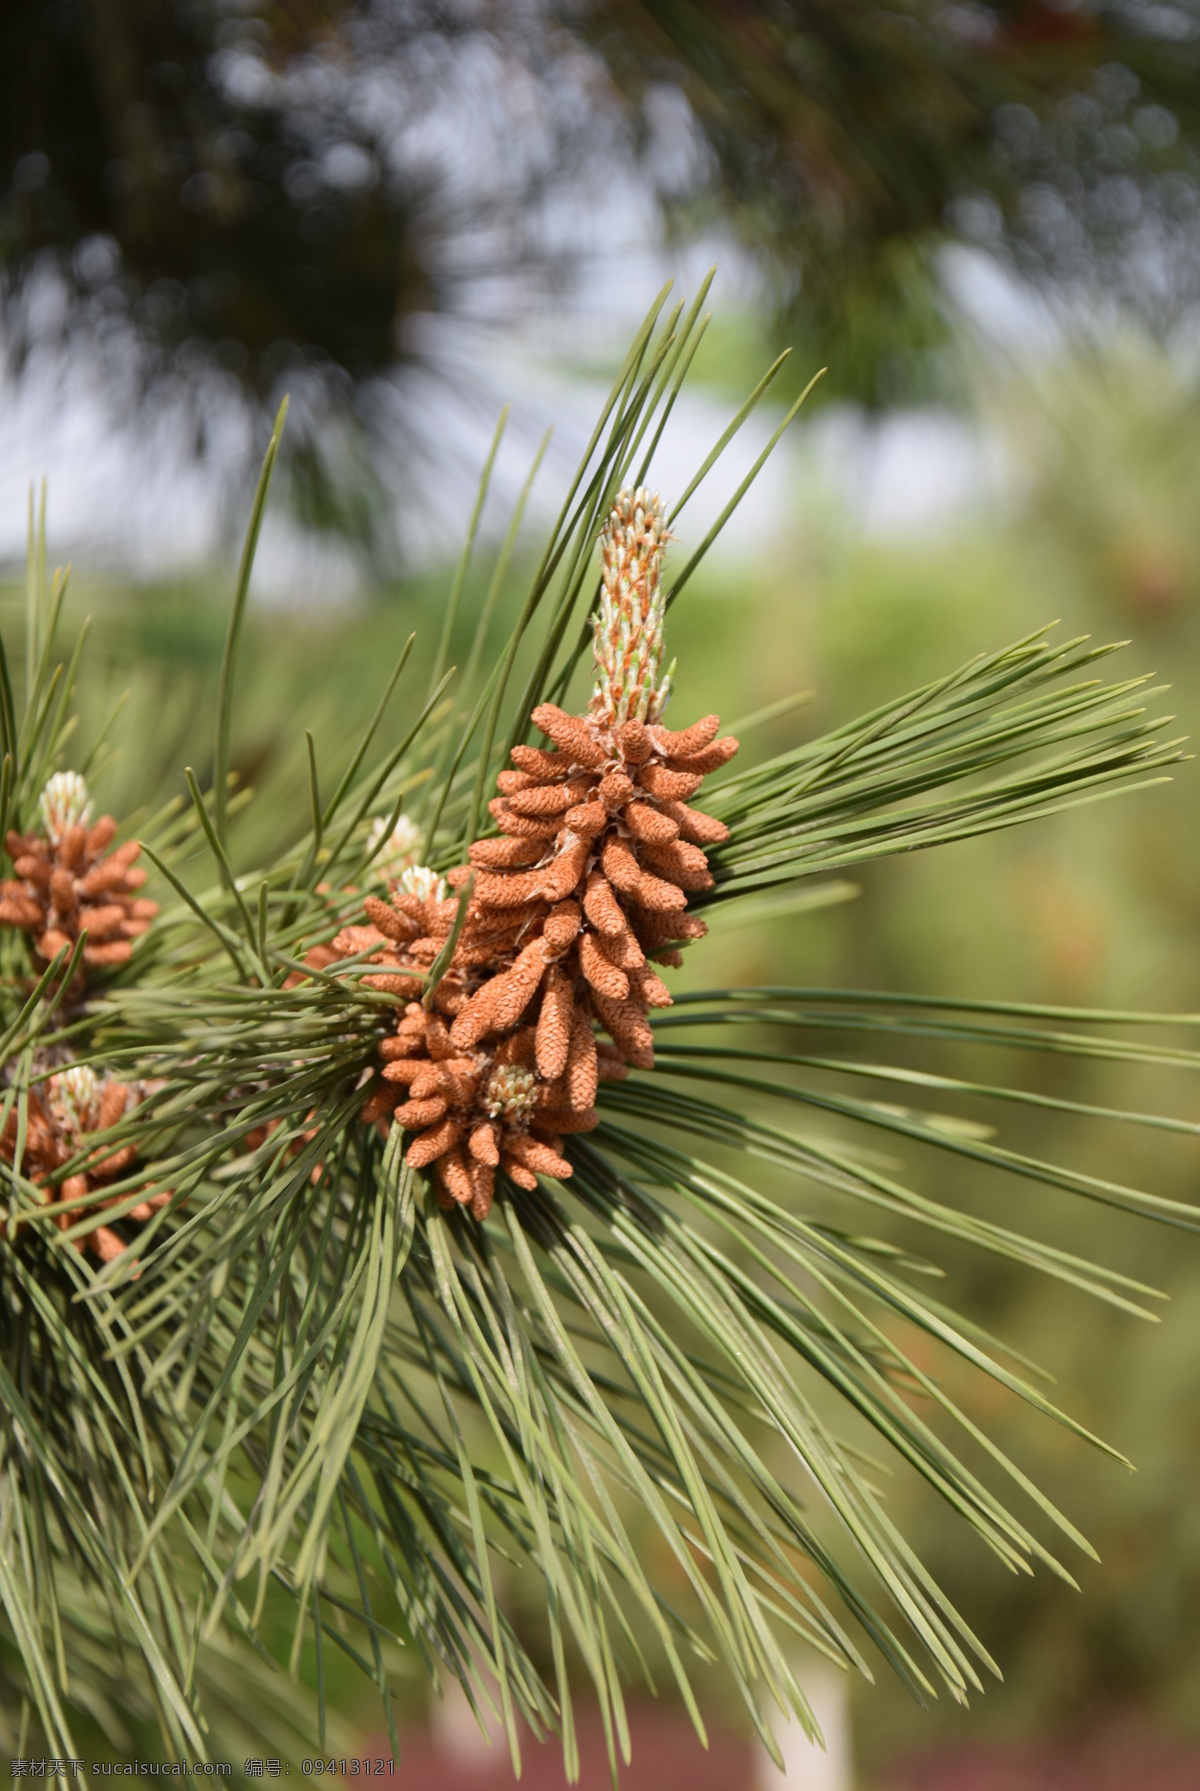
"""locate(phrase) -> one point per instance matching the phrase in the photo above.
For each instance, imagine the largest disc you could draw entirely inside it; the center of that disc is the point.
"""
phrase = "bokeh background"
(983, 220)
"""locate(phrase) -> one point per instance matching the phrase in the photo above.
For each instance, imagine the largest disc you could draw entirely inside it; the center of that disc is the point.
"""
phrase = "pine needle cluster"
(380, 1235)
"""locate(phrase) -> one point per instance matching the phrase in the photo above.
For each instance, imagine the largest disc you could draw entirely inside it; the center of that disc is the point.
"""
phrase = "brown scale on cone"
(67, 882)
(475, 1111)
(403, 936)
(583, 893)
(63, 1112)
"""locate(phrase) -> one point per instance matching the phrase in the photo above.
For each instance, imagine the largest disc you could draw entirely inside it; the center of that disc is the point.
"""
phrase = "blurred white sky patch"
(905, 474)
(135, 501)
(129, 495)
(119, 497)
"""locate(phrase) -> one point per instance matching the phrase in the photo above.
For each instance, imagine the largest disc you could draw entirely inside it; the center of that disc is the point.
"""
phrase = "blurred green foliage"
(1099, 908)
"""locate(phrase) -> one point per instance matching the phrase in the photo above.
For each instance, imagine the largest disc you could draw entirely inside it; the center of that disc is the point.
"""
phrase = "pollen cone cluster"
(63, 1112)
(584, 891)
(67, 882)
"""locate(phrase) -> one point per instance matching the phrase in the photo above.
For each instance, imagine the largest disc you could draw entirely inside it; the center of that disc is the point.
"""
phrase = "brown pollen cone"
(472, 1111)
(62, 1113)
(73, 884)
(562, 932)
(403, 937)
(583, 892)
(611, 884)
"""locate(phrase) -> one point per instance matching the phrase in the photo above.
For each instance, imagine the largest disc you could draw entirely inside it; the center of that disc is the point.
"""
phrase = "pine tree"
(380, 1233)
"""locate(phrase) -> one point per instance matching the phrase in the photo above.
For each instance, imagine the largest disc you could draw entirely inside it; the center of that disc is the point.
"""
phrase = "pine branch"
(278, 1383)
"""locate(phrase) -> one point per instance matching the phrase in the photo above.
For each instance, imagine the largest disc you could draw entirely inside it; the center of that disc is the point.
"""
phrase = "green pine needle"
(310, 1403)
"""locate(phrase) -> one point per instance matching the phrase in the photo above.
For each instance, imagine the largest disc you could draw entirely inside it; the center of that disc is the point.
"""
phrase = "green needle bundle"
(391, 1265)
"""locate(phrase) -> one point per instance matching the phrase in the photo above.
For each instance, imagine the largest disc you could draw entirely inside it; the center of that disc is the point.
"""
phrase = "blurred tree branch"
(848, 141)
(269, 193)
(277, 191)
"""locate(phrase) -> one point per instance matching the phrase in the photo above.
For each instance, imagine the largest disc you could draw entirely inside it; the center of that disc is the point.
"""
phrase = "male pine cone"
(62, 1112)
(582, 893)
(67, 881)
